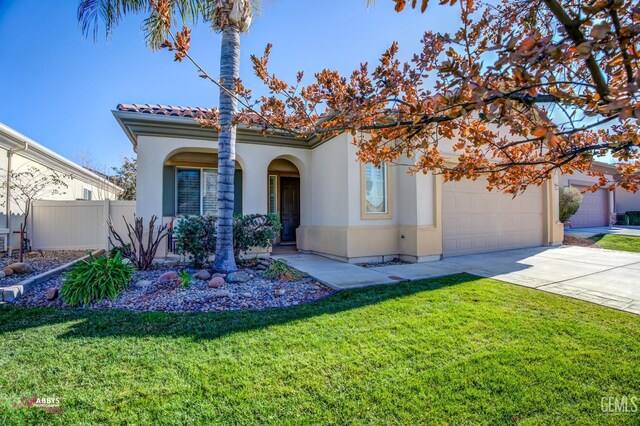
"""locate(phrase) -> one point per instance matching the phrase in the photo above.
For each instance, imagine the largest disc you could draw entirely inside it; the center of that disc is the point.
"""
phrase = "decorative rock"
(142, 284)
(168, 276)
(2, 274)
(222, 293)
(7, 272)
(218, 274)
(20, 268)
(280, 292)
(203, 275)
(247, 294)
(216, 282)
(238, 277)
(52, 294)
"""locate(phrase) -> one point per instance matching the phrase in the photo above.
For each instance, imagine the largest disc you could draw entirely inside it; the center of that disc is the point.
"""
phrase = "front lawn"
(459, 350)
(617, 242)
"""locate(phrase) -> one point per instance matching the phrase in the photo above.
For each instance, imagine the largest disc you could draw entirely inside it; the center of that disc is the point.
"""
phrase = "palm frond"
(91, 13)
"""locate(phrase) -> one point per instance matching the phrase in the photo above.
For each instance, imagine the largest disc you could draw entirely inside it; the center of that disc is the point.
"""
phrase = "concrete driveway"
(606, 277)
(632, 231)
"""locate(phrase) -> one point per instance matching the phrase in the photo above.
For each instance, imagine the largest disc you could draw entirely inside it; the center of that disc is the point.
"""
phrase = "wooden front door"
(289, 207)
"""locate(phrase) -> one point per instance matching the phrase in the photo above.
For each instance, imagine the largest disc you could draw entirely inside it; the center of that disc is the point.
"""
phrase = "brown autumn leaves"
(522, 89)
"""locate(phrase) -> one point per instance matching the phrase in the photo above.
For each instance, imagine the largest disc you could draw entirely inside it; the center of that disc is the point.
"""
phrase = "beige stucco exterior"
(331, 218)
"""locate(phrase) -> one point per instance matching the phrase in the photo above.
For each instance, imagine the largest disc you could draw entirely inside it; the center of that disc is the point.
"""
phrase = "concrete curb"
(11, 293)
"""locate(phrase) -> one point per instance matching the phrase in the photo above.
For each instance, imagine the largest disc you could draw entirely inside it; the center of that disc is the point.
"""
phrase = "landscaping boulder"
(52, 294)
(247, 295)
(279, 292)
(142, 284)
(20, 268)
(168, 276)
(218, 274)
(216, 282)
(238, 277)
(222, 293)
(2, 274)
(7, 272)
(203, 275)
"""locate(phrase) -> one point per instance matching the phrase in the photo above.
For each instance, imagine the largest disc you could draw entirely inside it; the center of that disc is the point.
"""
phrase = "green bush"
(196, 235)
(254, 230)
(280, 270)
(633, 218)
(570, 199)
(196, 238)
(95, 279)
(186, 279)
(624, 221)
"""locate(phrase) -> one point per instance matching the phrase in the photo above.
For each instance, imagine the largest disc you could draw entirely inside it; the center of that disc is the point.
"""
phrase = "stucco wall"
(626, 201)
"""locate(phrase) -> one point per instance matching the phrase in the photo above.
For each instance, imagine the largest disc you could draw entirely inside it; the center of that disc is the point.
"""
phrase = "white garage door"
(476, 220)
(593, 211)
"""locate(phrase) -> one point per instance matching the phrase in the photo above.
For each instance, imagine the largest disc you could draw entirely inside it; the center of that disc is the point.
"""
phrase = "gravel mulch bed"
(571, 240)
(256, 294)
(40, 261)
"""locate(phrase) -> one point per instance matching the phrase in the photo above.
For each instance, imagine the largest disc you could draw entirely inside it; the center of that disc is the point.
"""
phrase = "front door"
(289, 207)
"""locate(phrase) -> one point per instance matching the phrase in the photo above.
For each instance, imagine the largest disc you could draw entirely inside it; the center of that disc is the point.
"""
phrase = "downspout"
(10, 153)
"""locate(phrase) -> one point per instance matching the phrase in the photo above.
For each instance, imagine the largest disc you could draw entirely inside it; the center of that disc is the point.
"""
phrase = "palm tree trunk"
(229, 72)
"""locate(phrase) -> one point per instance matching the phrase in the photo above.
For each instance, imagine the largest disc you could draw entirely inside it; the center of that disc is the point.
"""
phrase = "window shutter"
(273, 194)
(210, 192)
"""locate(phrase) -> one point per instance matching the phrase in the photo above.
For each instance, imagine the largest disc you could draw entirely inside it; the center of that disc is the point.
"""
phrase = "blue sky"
(59, 88)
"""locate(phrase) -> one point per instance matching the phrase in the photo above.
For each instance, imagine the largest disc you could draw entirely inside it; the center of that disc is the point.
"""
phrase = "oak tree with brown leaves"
(523, 89)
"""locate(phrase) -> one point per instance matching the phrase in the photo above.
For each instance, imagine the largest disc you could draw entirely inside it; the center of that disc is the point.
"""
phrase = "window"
(87, 194)
(196, 192)
(273, 194)
(375, 192)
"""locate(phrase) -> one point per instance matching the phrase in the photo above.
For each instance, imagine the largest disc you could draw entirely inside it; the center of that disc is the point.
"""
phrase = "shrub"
(95, 279)
(634, 217)
(254, 230)
(570, 199)
(625, 220)
(186, 279)
(196, 238)
(142, 246)
(280, 270)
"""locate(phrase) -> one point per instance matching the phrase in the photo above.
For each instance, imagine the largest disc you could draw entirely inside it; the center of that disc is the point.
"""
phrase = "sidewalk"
(343, 276)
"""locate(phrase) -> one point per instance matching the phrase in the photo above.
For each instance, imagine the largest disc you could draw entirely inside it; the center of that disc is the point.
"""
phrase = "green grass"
(617, 242)
(456, 350)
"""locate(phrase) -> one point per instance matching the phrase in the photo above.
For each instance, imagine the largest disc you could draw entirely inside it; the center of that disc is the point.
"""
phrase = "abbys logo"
(49, 404)
(619, 404)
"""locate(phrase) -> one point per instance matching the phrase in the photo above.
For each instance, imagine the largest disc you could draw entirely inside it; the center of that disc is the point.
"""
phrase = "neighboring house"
(18, 152)
(600, 208)
(328, 202)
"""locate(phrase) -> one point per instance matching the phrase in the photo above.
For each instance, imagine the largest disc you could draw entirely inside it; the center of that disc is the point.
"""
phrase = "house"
(602, 207)
(328, 202)
(19, 153)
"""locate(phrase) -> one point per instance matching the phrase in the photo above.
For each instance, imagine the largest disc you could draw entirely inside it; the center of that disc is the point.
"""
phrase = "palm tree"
(230, 17)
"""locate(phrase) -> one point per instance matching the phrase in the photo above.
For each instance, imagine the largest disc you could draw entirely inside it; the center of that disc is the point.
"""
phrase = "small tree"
(125, 177)
(30, 185)
(570, 199)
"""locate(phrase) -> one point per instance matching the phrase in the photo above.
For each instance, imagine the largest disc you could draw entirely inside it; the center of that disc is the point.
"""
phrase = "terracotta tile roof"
(171, 110)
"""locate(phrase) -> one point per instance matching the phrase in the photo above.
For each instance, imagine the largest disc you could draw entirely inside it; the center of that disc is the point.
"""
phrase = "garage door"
(476, 220)
(593, 211)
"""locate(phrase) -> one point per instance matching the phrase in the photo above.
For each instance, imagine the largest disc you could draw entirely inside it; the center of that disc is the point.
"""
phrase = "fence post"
(106, 212)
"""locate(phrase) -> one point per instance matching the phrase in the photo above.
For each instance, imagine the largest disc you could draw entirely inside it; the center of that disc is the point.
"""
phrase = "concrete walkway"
(606, 277)
(633, 231)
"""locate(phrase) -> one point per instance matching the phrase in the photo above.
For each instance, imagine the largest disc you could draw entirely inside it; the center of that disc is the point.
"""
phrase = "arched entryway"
(283, 197)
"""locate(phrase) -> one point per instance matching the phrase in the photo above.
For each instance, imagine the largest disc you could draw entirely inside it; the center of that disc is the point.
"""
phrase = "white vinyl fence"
(76, 225)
